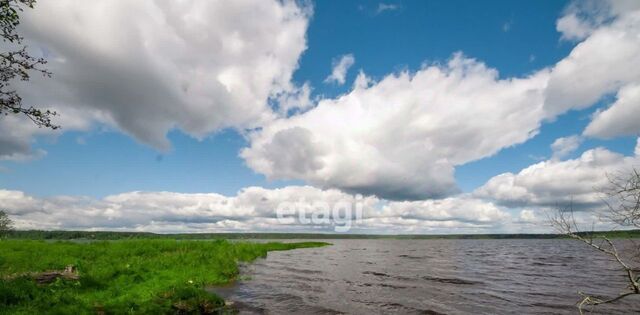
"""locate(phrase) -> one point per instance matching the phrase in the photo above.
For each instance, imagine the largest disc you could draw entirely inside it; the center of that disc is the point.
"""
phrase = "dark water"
(430, 277)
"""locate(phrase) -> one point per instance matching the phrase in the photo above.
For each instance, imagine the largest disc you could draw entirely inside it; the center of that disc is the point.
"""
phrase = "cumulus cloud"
(340, 68)
(15, 139)
(573, 28)
(299, 99)
(252, 209)
(622, 118)
(17, 132)
(581, 18)
(555, 183)
(607, 60)
(398, 138)
(562, 147)
(462, 208)
(527, 216)
(401, 137)
(149, 67)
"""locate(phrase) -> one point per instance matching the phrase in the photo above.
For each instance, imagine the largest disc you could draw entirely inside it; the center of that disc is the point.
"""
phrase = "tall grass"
(129, 276)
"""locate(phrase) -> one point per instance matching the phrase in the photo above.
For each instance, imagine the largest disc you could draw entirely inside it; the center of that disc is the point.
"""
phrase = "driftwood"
(69, 273)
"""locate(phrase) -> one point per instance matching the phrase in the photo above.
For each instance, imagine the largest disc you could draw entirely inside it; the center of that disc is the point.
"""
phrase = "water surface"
(430, 277)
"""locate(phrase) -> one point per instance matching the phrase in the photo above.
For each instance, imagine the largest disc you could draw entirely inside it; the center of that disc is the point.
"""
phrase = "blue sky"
(98, 157)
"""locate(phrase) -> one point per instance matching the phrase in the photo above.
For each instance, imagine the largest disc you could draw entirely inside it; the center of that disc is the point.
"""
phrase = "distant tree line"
(113, 235)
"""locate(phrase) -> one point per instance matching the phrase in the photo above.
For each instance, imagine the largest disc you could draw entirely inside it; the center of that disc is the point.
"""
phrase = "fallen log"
(69, 273)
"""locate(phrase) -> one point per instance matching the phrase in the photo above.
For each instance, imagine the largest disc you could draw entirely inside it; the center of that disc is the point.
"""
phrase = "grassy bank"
(150, 276)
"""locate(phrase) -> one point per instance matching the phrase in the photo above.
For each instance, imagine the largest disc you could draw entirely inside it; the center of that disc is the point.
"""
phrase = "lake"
(430, 277)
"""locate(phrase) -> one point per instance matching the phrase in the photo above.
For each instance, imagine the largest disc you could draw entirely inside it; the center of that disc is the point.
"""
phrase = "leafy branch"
(18, 65)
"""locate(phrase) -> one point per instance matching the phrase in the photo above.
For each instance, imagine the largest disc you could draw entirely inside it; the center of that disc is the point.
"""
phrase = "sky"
(434, 116)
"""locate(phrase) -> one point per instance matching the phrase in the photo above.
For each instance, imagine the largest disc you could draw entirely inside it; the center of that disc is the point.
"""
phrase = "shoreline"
(144, 276)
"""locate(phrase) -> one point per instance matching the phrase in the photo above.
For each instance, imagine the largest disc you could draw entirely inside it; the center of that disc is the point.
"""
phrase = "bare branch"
(623, 203)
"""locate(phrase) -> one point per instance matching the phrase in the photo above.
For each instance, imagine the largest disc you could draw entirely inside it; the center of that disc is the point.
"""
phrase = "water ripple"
(429, 277)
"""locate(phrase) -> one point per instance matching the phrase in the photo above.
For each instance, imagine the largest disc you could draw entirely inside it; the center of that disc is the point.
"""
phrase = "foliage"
(17, 64)
(129, 276)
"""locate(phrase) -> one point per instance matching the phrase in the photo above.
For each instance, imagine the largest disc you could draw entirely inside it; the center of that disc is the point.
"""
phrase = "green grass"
(152, 276)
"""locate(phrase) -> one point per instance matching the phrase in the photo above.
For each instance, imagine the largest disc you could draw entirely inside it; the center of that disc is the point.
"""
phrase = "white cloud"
(140, 210)
(573, 28)
(562, 147)
(298, 99)
(382, 7)
(555, 183)
(608, 59)
(582, 18)
(12, 199)
(149, 67)
(252, 209)
(400, 138)
(17, 132)
(461, 208)
(506, 27)
(340, 68)
(606, 62)
(527, 216)
(622, 118)
(15, 139)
